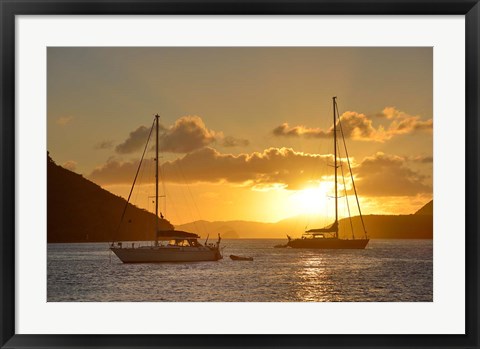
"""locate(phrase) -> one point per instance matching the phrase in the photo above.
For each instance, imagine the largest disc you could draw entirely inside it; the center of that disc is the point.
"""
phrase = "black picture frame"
(10, 8)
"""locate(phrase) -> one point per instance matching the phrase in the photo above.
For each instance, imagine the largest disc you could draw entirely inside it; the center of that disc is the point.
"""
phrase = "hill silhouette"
(391, 227)
(426, 210)
(81, 211)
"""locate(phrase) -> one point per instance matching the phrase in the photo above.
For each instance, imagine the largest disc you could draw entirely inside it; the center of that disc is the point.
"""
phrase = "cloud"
(187, 134)
(104, 145)
(422, 159)
(402, 123)
(63, 120)
(70, 165)
(377, 175)
(116, 172)
(297, 131)
(135, 141)
(358, 126)
(388, 175)
(273, 167)
(229, 142)
(354, 125)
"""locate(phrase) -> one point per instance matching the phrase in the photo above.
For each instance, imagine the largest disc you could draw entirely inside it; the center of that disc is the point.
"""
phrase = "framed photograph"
(268, 174)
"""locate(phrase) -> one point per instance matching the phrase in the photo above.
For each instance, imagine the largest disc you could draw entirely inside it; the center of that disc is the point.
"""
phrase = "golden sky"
(246, 133)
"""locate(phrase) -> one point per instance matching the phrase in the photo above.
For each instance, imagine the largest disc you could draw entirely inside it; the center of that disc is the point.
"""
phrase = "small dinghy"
(240, 258)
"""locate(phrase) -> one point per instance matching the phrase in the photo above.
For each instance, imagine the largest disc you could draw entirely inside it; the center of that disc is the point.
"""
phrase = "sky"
(246, 133)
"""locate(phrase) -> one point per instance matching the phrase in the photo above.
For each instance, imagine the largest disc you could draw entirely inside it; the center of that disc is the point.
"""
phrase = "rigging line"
(162, 176)
(188, 213)
(351, 175)
(149, 177)
(202, 224)
(320, 166)
(182, 180)
(140, 181)
(346, 198)
(174, 209)
(134, 180)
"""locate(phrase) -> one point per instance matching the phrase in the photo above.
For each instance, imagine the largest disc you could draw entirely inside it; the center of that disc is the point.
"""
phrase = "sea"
(386, 271)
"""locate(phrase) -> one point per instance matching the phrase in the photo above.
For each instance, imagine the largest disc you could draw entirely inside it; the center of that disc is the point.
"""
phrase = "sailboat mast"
(335, 164)
(156, 179)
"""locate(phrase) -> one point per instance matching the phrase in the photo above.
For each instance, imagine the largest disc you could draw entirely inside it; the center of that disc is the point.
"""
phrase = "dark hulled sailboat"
(327, 238)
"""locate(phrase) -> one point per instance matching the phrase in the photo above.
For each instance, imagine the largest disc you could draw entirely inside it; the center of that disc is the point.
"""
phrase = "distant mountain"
(80, 211)
(414, 226)
(234, 229)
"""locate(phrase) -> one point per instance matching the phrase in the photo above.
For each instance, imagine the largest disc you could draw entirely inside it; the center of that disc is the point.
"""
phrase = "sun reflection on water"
(314, 281)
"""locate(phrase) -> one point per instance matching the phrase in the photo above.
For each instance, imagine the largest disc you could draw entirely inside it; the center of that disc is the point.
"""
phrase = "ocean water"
(386, 271)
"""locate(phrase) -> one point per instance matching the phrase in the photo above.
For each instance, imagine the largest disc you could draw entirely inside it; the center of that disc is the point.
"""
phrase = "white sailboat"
(170, 245)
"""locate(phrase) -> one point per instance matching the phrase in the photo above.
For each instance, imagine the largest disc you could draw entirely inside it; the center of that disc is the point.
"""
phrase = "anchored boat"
(170, 245)
(240, 258)
(327, 237)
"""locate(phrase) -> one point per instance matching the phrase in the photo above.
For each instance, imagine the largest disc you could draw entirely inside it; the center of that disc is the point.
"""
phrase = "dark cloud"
(230, 141)
(117, 172)
(273, 167)
(135, 141)
(104, 145)
(359, 127)
(388, 175)
(378, 175)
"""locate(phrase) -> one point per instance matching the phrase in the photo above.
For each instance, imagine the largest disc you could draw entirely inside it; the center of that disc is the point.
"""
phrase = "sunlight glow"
(312, 200)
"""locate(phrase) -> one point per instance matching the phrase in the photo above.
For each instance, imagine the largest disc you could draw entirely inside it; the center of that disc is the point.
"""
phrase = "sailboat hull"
(166, 254)
(333, 244)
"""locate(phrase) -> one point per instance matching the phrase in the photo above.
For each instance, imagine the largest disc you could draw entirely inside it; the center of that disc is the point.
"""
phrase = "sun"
(313, 200)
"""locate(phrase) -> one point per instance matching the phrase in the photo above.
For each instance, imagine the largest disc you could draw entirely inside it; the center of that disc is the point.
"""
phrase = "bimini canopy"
(331, 229)
(167, 235)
